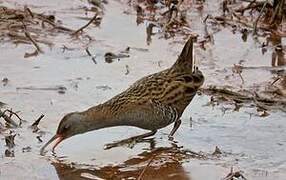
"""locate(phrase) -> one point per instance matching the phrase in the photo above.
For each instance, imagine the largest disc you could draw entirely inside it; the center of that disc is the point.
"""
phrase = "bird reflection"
(158, 163)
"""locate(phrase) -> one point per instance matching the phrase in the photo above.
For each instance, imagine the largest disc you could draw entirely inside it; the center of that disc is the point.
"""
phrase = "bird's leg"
(176, 126)
(129, 140)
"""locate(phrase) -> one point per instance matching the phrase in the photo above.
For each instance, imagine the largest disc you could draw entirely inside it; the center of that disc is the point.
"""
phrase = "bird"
(151, 103)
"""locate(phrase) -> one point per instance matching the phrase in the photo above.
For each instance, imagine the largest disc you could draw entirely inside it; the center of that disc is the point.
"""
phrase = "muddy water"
(256, 145)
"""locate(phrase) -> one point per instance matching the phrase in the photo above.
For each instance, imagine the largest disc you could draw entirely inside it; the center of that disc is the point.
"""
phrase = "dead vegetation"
(258, 16)
(23, 26)
(261, 19)
(8, 115)
(13, 121)
(167, 16)
(239, 97)
(234, 175)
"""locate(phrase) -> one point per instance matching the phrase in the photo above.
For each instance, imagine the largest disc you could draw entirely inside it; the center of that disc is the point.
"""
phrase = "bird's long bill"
(56, 137)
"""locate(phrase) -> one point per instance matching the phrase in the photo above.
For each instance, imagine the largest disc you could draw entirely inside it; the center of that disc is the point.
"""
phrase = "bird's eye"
(65, 128)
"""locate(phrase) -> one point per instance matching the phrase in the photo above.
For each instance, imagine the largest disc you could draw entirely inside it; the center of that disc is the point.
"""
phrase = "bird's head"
(70, 125)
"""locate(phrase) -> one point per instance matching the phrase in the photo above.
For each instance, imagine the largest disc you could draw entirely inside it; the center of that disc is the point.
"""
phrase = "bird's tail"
(186, 59)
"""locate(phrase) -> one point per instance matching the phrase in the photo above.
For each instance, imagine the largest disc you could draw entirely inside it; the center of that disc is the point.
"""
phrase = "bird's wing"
(151, 115)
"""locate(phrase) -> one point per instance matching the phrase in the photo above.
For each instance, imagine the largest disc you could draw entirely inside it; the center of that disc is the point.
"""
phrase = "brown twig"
(238, 69)
(86, 25)
(45, 20)
(27, 55)
(29, 11)
(23, 39)
(27, 34)
(252, 5)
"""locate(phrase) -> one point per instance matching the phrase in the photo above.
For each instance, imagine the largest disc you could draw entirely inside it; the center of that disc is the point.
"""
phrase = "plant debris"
(60, 89)
(26, 149)
(5, 81)
(8, 118)
(217, 151)
(243, 96)
(170, 17)
(34, 126)
(27, 27)
(9, 140)
(110, 56)
(2, 104)
(92, 57)
(23, 26)
(95, 19)
(234, 175)
(257, 15)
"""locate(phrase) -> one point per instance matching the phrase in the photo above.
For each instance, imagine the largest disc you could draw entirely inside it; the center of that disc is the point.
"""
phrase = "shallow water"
(256, 145)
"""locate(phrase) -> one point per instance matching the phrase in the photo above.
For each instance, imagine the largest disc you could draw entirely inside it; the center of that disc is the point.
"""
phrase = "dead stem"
(9, 140)
(265, 10)
(252, 5)
(232, 175)
(15, 114)
(27, 55)
(227, 94)
(278, 10)
(237, 68)
(29, 11)
(8, 119)
(45, 20)
(86, 25)
(36, 123)
(34, 126)
(27, 34)
(92, 57)
(257, 19)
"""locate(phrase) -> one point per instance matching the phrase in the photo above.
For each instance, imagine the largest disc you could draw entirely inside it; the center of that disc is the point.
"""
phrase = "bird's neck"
(98, 117)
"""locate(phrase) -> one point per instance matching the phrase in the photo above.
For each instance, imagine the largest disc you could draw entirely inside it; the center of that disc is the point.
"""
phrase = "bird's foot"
(129, 142)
